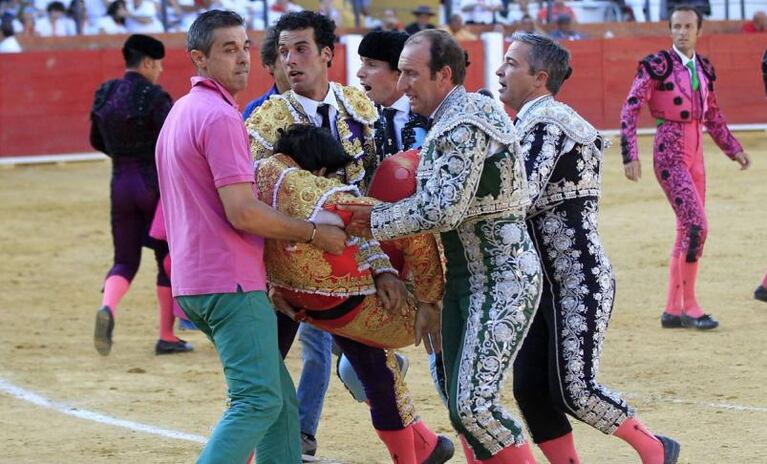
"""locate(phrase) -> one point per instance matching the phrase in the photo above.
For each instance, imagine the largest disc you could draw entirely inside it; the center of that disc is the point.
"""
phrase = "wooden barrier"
(45, 96)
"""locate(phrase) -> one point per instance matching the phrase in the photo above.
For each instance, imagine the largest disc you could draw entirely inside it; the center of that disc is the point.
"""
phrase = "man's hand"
(281, 304)
(330, 238)
(428, 327)
(391, 291)
(360, 222)
(743, 160)
(633, 170)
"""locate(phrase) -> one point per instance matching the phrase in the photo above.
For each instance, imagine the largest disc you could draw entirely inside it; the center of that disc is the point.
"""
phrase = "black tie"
(324, 111)
(390, 134)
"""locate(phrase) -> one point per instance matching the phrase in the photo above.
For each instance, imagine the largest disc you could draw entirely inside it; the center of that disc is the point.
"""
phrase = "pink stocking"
(512, 454)
(634, 433)
(115, 288)
(674, 299)
(560, 450)
(400, 444)
(689, 277)
(165, 302)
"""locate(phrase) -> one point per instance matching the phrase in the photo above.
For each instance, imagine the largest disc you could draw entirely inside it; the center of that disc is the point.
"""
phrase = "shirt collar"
(684, 58)
(526, 107)
(402, 104)
(214, 85)
(310, 106)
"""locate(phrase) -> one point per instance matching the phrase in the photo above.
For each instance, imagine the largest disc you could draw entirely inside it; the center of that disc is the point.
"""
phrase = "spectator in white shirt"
(480, 11)
(8, 42)
(142, 17)
(56, 23)
(114, 21)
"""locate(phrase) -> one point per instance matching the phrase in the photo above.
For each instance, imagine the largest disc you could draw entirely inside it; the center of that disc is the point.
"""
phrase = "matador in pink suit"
(678, 86)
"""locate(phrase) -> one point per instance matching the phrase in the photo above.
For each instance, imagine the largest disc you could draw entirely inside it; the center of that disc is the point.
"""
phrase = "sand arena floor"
(705, 389)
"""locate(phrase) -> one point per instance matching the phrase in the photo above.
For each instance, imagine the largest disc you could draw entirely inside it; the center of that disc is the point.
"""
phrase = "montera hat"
(383, 46)
(145, 45)
(423, 10)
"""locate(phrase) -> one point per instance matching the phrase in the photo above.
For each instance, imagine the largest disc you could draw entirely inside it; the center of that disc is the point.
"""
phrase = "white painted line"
(705, 404)
(44, 159)
(39, 400)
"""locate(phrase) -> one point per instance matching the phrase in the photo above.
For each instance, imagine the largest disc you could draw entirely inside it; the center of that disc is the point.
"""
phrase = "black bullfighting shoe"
(670, 449)
(102, 336)
(760, 294)
(166, 347)
(443, 451)
(704, 322)
(669, 321)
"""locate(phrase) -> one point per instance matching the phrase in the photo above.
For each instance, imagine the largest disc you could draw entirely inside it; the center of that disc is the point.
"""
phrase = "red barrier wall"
(45, 97)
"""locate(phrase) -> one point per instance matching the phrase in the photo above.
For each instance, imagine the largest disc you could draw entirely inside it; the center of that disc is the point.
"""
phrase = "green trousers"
(263, 411)
(492, 291)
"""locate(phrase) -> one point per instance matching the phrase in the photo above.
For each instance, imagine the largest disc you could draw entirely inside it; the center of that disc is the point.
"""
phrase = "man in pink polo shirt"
(216, 227)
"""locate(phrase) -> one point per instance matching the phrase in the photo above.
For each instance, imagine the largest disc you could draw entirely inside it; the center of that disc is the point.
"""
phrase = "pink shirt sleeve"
(225, 145)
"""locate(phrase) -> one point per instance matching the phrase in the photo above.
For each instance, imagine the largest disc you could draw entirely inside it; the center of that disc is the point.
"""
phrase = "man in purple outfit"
(126, 118)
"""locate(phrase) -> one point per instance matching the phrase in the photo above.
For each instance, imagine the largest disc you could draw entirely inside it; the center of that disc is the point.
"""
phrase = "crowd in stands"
(45, 18)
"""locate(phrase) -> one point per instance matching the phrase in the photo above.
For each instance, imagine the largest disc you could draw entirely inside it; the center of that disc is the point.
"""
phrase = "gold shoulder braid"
(263, 125)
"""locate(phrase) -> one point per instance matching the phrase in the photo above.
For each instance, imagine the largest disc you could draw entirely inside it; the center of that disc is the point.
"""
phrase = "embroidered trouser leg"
(391, 407)
(556, 370)
(493, 286)
(679, 168)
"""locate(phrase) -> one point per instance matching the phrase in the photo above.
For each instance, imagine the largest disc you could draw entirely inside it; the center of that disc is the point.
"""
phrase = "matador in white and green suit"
(471, 188)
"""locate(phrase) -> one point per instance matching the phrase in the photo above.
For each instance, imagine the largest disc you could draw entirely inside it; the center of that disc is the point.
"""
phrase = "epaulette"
(102, 94)
(708, 70)
(658, 65)
(554, 112)
(356, 103)
(478, 110)
(264, 124)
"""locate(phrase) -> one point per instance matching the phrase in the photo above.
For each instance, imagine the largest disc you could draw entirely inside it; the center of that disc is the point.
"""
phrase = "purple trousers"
(134, 195)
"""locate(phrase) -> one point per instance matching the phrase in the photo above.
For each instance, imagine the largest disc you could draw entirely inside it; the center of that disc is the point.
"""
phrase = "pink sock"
(400, 444)
(166, 265)
(165, 302)
(634, 433)
(512, 455)
(689, 278)
(470, 458)
(764, 281)
(560, 450)
(674, 299)
(115, 288)
(425, 440)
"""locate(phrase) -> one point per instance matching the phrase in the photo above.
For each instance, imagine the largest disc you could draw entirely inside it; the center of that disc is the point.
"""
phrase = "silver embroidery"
(558, 240)
(496, 324)
(452, 161)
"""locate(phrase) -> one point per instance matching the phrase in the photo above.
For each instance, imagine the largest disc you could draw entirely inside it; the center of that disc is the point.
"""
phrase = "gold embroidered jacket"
(354, 123)
(304, 268)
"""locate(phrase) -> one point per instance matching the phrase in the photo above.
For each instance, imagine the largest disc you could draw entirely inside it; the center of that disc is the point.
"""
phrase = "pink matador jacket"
(664, 82)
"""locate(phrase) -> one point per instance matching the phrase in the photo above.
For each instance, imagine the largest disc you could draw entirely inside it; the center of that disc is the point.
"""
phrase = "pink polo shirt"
(203, 145)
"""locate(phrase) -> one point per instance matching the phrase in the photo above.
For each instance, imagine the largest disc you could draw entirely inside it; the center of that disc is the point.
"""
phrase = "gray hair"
(200, 35)
(548, 56)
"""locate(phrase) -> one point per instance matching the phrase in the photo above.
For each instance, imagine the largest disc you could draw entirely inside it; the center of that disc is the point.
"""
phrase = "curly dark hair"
(312, 147)
(324, 27)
